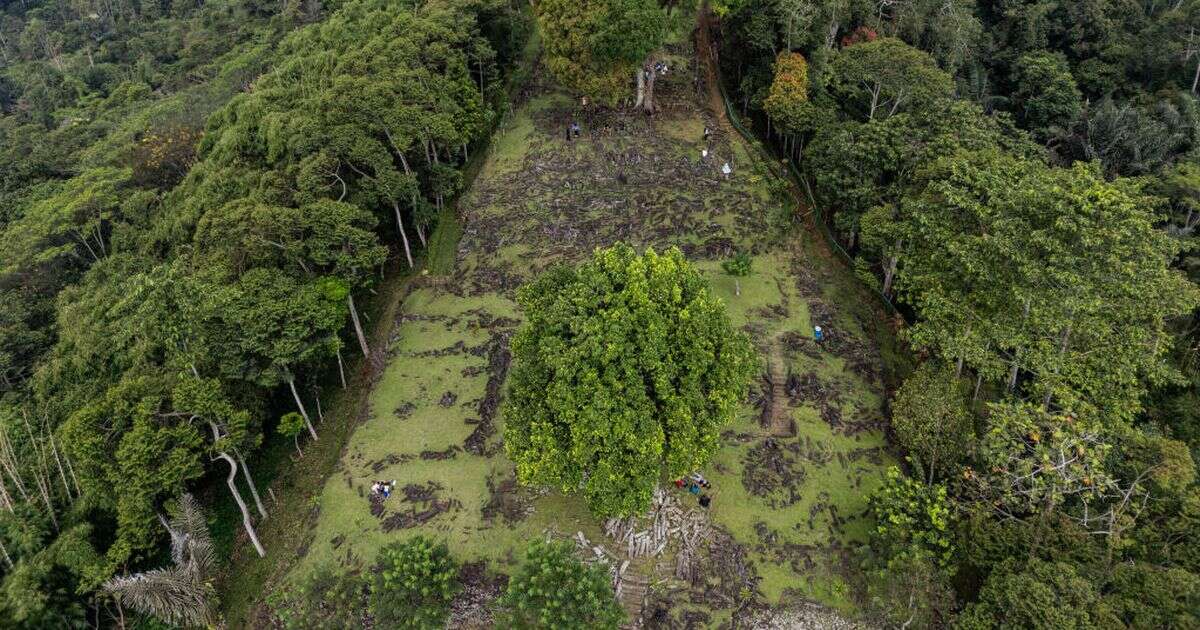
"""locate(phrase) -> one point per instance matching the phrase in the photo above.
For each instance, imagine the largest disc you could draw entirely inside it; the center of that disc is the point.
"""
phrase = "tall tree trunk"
(641, 86)
(358, 330)
(61, 472)
(231, 481)
(300, 405)
(421, 233)
(1196, 76)
(341, 368)
(403, 236)
(262, 511)
(890, 274)
(1016, 362)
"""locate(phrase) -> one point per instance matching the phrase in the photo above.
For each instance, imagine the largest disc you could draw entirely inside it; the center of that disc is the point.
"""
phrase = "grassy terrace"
(790, 481)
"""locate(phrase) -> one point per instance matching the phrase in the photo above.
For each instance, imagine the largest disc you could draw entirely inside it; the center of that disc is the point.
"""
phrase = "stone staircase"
(633, 591)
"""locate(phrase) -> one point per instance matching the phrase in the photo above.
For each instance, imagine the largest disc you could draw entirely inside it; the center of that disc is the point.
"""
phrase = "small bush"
(553, 589)
(413, 584)
(740, 265)
(324, 601)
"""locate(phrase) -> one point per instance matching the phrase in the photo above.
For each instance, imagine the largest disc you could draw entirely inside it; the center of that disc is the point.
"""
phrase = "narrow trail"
(634, 588)
(707, 53)
(781, 417)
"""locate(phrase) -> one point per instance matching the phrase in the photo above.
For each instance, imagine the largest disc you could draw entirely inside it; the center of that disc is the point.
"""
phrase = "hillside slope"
(789, 484)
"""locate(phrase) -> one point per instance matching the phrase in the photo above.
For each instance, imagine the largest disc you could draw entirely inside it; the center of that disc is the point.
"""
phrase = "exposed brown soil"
(448, 453)
(506, 500)
(472, 606)
(498, 359)
(423, 504)
(773, 473)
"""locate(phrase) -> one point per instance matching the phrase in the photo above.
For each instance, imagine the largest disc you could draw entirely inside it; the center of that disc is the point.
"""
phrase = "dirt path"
(634, 587)
(781, 416)
(707, 52)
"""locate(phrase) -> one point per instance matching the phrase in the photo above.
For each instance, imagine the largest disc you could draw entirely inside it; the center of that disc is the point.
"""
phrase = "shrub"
(325, 600)
(553, 589)
(413, 584)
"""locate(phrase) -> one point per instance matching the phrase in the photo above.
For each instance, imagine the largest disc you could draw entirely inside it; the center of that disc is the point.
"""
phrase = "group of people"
(383, 488)
(696, 484)
(726, 169)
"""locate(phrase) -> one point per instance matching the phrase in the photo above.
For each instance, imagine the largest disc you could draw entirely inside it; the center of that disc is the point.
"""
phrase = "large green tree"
(1046, 97)
(1056, 275)
(931, 420)
(626, 367)
(884, 77)
(1037, 596)
(597, 46)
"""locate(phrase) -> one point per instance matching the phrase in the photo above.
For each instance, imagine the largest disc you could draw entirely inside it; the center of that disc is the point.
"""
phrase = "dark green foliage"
(412, 584)
(1043, 283)
(1037, 595)
(192, 197)
(326, 600)
(1145, 596)
(932, 422)
(626, 368)
(1046, 97)
(881, 78)
(741, 264)
(553, 589)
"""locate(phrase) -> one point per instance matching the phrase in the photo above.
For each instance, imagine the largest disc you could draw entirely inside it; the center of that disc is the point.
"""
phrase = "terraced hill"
(789, 484)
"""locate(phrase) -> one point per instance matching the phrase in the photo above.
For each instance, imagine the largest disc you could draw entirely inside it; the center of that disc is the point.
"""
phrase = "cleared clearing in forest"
(791, 500)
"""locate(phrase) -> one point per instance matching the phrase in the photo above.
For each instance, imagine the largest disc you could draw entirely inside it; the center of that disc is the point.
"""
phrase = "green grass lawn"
(540, 200)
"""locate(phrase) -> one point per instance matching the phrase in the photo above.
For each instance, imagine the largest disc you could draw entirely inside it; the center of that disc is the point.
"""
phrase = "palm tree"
(181, 594)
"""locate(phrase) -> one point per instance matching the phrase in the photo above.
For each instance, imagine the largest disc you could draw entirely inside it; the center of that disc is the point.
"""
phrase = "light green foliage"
(1046, 96)
(911, 518)
(553, 589)
(1037, 596)
(413, 584)
(594, 46)
(932, 422)
(910, 556)
(205, 399)
(291, 424)
(1010, 263)
(157, 285)
(67, 220)
(625, 367)
(878, 79)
